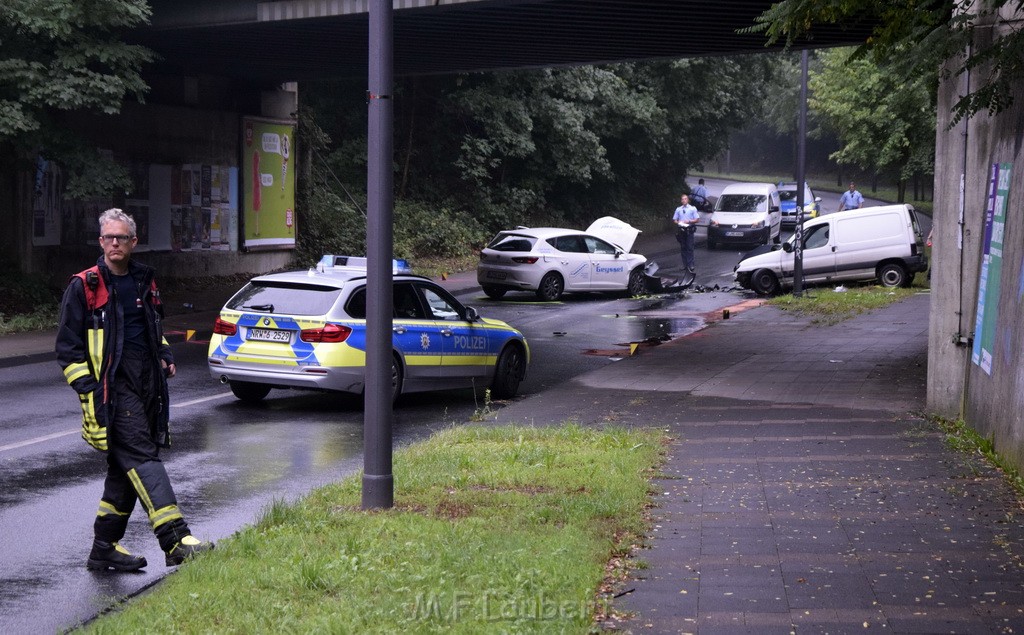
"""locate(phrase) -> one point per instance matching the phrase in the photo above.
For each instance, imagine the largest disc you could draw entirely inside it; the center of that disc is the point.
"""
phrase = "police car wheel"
(396, 379)
(494, 293)
(551, 287)
(508, 372)
(636, 285)
(764, 282)
(249, 392)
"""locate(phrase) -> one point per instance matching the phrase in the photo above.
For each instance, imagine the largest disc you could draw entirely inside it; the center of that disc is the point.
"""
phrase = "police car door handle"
(447, 332)
(399, 329)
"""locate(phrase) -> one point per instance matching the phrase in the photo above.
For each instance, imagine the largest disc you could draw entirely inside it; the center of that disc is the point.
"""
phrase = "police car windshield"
(285, 298)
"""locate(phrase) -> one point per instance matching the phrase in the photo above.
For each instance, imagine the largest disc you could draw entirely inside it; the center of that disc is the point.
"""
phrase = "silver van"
(747, 214)
(881, 243)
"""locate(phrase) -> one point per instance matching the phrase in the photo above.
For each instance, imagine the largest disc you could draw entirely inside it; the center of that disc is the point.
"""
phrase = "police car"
(787, 198)
(307, 329)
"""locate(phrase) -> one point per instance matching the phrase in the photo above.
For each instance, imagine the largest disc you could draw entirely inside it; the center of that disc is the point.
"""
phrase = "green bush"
(423, 230)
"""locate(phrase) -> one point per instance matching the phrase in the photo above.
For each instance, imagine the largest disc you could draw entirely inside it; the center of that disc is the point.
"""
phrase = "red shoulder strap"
(96, 294)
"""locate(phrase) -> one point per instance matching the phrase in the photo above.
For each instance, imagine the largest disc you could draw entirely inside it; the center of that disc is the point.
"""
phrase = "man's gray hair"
(115, 214)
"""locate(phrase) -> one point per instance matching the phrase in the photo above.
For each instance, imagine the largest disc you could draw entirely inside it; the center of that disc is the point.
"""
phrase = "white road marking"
(48, 437)
(201, 400)
(57, 435)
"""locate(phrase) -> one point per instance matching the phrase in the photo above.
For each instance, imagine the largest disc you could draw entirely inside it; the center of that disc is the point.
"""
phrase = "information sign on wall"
(268, 184)
(991, 267)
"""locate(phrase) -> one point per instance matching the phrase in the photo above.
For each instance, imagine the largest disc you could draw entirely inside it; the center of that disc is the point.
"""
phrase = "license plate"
(270, 335)
(497, 275)
(734, 234)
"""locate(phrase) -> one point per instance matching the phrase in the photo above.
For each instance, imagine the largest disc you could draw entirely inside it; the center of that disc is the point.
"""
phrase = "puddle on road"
(641, 328)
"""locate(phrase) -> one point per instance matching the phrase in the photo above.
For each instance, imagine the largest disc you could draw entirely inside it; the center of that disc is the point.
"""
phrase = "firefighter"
(111, 346)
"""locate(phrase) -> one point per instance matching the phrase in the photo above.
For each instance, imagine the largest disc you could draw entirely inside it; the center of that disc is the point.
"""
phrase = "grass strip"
(494, 529)
(825, 306)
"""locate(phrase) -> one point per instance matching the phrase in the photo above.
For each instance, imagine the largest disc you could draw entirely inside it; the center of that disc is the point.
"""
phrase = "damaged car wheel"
(637, 283)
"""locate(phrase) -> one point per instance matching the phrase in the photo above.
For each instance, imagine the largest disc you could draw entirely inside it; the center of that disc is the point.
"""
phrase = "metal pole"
(801, 158)
(378, 482)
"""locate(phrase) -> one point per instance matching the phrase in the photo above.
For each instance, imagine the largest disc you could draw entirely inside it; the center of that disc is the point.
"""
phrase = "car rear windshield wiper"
(266, 308)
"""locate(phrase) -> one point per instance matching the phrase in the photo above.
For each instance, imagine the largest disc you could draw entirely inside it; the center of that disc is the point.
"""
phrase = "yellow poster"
(268, 184)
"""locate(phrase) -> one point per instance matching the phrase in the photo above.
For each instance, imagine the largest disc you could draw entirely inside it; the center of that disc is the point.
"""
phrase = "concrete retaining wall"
(991, 403)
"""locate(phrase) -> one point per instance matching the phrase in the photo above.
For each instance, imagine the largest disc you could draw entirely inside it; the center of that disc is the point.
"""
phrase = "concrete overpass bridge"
(301, 40)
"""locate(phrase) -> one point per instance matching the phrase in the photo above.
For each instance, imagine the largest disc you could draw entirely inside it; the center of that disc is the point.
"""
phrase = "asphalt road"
(229, 461)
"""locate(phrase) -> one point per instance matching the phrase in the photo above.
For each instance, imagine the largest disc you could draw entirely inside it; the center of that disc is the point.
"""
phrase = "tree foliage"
(65, 55)
(916, 37)
(884, 123)
(561, 146)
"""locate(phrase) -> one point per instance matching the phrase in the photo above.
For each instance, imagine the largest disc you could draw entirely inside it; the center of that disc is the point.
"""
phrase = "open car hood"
(615, 231)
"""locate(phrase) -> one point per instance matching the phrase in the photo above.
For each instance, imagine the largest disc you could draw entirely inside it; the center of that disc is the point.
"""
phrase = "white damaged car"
(551, 261)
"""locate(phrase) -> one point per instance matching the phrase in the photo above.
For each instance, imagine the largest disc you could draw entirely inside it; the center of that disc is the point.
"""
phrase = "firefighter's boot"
(186, 548)
(111, 555)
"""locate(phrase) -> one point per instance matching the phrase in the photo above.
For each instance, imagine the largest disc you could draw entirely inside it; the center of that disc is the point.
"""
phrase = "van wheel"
(764, 282)
(892, 275)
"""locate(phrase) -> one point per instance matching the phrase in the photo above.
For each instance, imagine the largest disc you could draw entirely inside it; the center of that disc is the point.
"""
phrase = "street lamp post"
(378, 482)
(801, 158)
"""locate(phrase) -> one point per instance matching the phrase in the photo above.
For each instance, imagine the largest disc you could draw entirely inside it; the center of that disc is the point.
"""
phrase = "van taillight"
(220, 327)
(525, 260)
(913, 249)
(330, 333)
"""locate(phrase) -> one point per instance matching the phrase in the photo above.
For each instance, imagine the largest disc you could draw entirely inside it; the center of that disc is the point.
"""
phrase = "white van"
(746, 213)
(883, 243)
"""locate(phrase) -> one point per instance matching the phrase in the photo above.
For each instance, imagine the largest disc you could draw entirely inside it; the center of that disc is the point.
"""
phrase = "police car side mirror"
(787, 247)
(472, 315)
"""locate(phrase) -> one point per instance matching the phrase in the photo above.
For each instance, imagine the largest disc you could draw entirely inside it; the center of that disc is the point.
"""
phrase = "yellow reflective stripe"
(140, 489)
(76, 371)
(95, 339)
(164, 515)
(164, 342)
(94, 434)
(107, 509)
(89, 411)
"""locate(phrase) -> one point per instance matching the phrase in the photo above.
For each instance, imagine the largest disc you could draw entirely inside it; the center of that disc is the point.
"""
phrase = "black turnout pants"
(134, 469)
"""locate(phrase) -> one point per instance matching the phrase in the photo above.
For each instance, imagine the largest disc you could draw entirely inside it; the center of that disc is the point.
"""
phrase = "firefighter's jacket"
(90, 338)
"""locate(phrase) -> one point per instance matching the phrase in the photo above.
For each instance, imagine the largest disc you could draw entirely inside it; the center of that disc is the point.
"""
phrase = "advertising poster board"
(991, 267)
(268, 184)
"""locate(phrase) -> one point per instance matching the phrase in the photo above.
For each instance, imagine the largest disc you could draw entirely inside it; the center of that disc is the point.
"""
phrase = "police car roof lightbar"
(398, 265)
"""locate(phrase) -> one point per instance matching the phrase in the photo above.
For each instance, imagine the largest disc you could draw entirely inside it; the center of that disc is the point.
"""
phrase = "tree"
(555, 146)
(917, 37)
(884, 123)
(63, 55)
